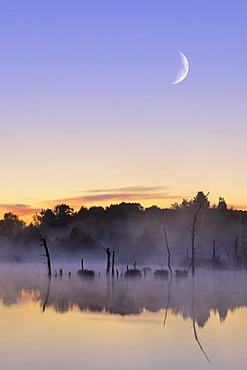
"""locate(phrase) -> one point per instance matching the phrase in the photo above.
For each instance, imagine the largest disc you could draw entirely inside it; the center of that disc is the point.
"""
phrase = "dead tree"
(215, 249)
(47, 255)
(113, 263)
(108, 262)
(168, 251)
(194, 249)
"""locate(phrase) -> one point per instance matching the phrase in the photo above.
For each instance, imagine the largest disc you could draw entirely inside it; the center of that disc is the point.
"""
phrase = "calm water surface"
(119, 324)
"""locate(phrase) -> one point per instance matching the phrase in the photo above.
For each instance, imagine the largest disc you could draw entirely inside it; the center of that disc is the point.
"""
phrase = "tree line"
(134, 232)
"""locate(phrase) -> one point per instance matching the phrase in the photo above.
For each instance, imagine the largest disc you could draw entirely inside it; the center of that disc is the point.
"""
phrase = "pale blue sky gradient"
(86, 100)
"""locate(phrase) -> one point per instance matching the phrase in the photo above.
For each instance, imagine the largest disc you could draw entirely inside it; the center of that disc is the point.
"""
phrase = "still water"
(68, 323)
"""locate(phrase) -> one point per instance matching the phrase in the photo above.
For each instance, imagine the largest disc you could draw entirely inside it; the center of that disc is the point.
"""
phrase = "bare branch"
(47, 255)
(168, 251)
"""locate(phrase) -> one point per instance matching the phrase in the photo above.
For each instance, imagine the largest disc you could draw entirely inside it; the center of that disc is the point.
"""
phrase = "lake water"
(68, 323)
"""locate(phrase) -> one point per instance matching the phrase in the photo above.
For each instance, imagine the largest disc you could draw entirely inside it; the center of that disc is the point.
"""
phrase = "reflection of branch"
(168, 300)
(47, 295)
(198, 340)
(194, 322)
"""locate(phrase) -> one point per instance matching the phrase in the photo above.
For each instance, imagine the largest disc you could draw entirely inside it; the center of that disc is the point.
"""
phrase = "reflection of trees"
(127, 297)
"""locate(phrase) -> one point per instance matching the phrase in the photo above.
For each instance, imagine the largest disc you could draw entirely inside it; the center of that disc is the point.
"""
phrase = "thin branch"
(168, 251)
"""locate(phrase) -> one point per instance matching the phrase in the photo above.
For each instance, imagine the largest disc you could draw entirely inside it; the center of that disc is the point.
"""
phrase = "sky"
(88, 112)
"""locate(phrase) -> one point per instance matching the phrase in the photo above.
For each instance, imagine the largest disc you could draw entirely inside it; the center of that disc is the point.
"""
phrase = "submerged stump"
(161, 274)
(87, 274)
(181, 274)
(133, 273)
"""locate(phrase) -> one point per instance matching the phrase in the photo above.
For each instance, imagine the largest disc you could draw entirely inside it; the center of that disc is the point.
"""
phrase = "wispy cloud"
(153, 194)
(19, 209)
(129, 189)
(125, 194)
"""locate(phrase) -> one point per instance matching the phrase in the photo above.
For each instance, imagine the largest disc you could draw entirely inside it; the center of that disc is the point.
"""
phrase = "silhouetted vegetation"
(199, 201)
(47, 255)
(88, 274)
(134, 233)
(161, 274)
(132, 273)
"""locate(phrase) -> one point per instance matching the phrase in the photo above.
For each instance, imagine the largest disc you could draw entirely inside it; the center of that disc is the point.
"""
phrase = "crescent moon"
(184, 70)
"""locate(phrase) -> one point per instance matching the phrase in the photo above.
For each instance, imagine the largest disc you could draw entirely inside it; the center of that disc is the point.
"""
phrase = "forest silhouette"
(135, 233)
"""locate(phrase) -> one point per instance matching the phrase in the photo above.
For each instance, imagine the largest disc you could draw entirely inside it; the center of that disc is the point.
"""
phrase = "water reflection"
(220, 292)
(110, 320)
(47, 294)
(194, 321)
(168, 298)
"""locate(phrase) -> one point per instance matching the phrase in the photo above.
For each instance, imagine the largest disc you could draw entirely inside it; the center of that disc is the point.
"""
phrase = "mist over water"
(218, 291)
(140, 322)
(94, 313)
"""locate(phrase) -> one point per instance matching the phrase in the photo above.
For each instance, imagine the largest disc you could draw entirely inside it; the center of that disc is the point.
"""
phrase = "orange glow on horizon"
(105, 200)
(26, 213)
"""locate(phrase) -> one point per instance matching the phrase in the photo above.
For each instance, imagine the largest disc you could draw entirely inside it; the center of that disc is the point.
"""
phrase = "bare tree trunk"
(168, 251)
(193, 235)
(113, 263)
(108, 262)
(47, 255)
